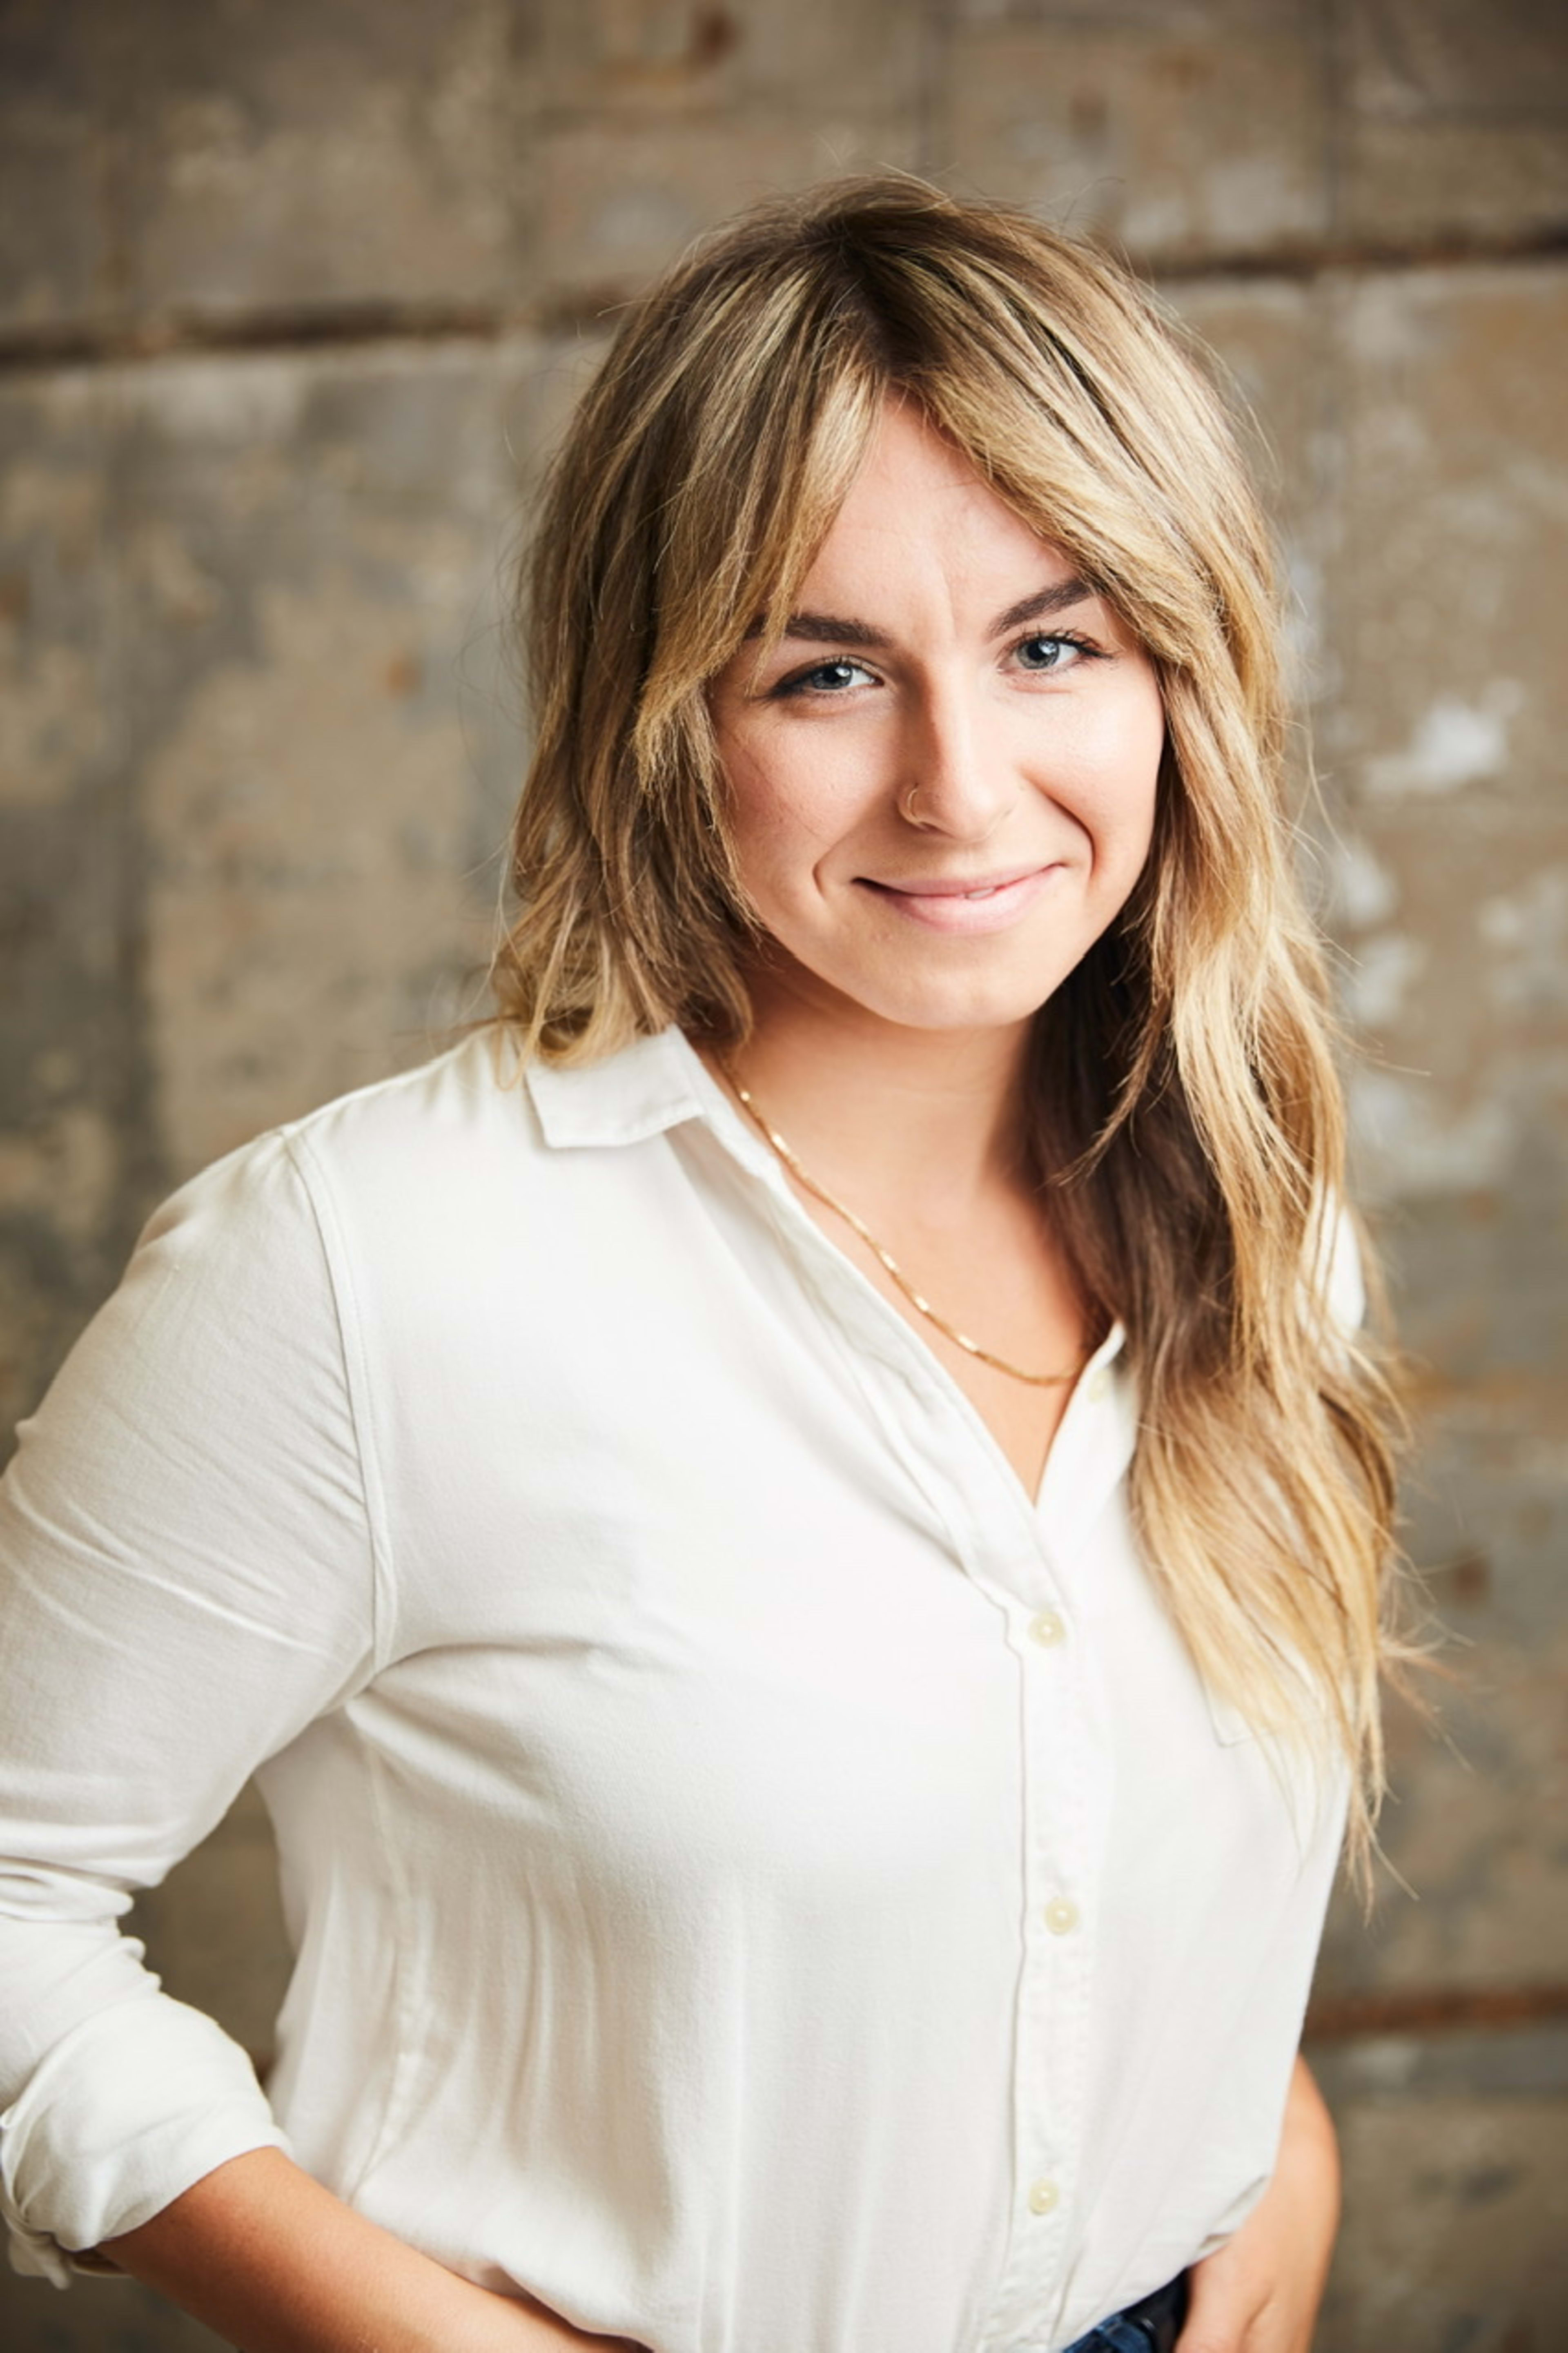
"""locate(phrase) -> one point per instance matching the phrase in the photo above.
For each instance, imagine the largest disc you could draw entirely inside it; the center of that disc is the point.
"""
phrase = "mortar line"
(88, 343)
(1427, 2010)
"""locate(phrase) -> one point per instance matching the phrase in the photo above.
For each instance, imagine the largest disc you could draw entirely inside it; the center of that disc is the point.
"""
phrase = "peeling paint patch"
(162, 564)
(68, 508)
(1527, 931)
(219, 398)
(1390, 326)
(1361, 892)
(1410, 1142)
(300, 928)
(51, 724)
(63, 1172)
(1275, 200)
(1388, 2063)
(1379, 978)
(1453, 744)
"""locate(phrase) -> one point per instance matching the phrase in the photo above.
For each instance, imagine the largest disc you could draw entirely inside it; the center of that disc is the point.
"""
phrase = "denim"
(1117, 2335)
(1138, 2330)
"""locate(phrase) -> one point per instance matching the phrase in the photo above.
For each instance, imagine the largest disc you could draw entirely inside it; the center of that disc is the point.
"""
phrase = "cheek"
(1119, 772)
(787, 800)
(767, 830)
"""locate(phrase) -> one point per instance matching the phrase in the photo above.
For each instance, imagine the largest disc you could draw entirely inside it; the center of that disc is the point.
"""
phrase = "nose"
(955, 776)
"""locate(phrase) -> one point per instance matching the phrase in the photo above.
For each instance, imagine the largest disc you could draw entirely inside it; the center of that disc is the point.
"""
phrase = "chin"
(954, 1005)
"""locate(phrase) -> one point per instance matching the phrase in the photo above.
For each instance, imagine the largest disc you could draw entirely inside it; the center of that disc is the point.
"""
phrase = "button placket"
(1048, 2083)
(1001, 1541)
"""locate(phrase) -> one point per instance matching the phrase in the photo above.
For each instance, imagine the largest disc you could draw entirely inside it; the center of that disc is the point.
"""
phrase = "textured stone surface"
(314, 546)
(74, 1131)
(1450, 728)
(156, 161)
(669, 61)
(1456, 2229)
(162, 158)
(1454, 904)
(96, 2316)
(617, 200)
(653, 121)
(62, 249)
(1457, 118)
(1176, 130)
(358, 148)
(1457, 2241)
(1420, 474)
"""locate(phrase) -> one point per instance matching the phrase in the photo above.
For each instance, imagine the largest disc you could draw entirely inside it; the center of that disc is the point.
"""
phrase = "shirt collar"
(657, 1083)
(649, 1087)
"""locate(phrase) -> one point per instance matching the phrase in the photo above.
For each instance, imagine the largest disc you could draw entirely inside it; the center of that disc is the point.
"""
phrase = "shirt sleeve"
(186, 1582)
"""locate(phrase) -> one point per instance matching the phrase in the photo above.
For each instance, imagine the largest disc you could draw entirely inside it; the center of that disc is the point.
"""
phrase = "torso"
(657, 1679)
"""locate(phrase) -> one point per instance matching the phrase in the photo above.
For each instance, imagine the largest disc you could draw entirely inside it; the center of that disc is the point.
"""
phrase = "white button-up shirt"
(761, 1881)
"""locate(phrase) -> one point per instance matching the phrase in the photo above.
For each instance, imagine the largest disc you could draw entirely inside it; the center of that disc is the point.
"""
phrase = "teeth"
(989, 893)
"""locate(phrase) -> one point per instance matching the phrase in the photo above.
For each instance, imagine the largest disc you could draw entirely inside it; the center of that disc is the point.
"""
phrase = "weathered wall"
(290, 299)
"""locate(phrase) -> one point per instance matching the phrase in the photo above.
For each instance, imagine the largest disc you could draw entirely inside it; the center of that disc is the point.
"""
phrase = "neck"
(925, 1118)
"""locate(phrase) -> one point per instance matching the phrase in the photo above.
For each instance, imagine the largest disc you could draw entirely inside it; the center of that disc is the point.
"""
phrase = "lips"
(957, 886)
(966, 904)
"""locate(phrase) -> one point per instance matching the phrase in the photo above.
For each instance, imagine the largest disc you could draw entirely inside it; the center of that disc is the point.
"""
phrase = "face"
(941, 781)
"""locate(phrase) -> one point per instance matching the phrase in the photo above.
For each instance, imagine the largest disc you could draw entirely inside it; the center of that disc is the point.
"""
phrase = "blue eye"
(827, 678)
(1049, 653)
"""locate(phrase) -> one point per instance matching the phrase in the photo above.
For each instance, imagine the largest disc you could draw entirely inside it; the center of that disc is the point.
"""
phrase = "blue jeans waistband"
(1150, 2326)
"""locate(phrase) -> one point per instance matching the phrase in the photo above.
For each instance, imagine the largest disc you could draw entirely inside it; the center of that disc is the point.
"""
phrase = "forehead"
(918, 506)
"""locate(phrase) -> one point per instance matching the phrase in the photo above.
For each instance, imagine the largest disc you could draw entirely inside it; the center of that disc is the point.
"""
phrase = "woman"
(795, 1532)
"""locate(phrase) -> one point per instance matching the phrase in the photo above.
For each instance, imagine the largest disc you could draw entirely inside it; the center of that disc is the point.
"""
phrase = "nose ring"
(908, 804)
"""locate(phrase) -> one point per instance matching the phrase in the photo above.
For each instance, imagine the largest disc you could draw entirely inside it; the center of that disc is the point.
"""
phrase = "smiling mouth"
(987, 887)
(963, 906)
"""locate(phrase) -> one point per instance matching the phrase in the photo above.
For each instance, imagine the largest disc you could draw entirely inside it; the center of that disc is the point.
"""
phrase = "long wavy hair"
(1186, 1119)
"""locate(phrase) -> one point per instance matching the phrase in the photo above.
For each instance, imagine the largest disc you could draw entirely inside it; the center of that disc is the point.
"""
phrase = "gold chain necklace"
(749, 1103)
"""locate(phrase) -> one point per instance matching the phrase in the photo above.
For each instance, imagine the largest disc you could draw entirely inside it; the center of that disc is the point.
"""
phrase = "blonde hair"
(1187, 1120)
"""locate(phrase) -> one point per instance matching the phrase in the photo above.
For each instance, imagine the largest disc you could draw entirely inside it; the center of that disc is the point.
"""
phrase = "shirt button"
(1046, 1629)
(1098, 1386)
(1044, 2197)
(1061, 1916)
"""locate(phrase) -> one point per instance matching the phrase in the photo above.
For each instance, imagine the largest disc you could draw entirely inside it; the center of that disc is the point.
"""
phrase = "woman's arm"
(188, 1578)
(261, 2252)
(1260, 2292)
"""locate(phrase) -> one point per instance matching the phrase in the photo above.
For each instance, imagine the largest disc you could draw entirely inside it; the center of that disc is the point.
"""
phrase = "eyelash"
(798, 686)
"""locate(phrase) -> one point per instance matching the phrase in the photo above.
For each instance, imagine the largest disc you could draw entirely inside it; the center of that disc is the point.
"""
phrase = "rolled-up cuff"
(130, 2109)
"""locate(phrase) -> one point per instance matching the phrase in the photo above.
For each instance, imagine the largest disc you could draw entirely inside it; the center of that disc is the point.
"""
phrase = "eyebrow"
(841, 629)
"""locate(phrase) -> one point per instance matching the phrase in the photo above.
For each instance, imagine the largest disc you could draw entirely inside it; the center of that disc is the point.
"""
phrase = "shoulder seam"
(316, 1185)
(305, 1121)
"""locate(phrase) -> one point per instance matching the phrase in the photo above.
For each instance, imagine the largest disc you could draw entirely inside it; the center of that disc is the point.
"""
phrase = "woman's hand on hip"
(274, 2262)
(1260, 2292)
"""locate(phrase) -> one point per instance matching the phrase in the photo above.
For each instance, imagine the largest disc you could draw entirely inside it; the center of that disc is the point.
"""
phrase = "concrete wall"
(290, 299)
